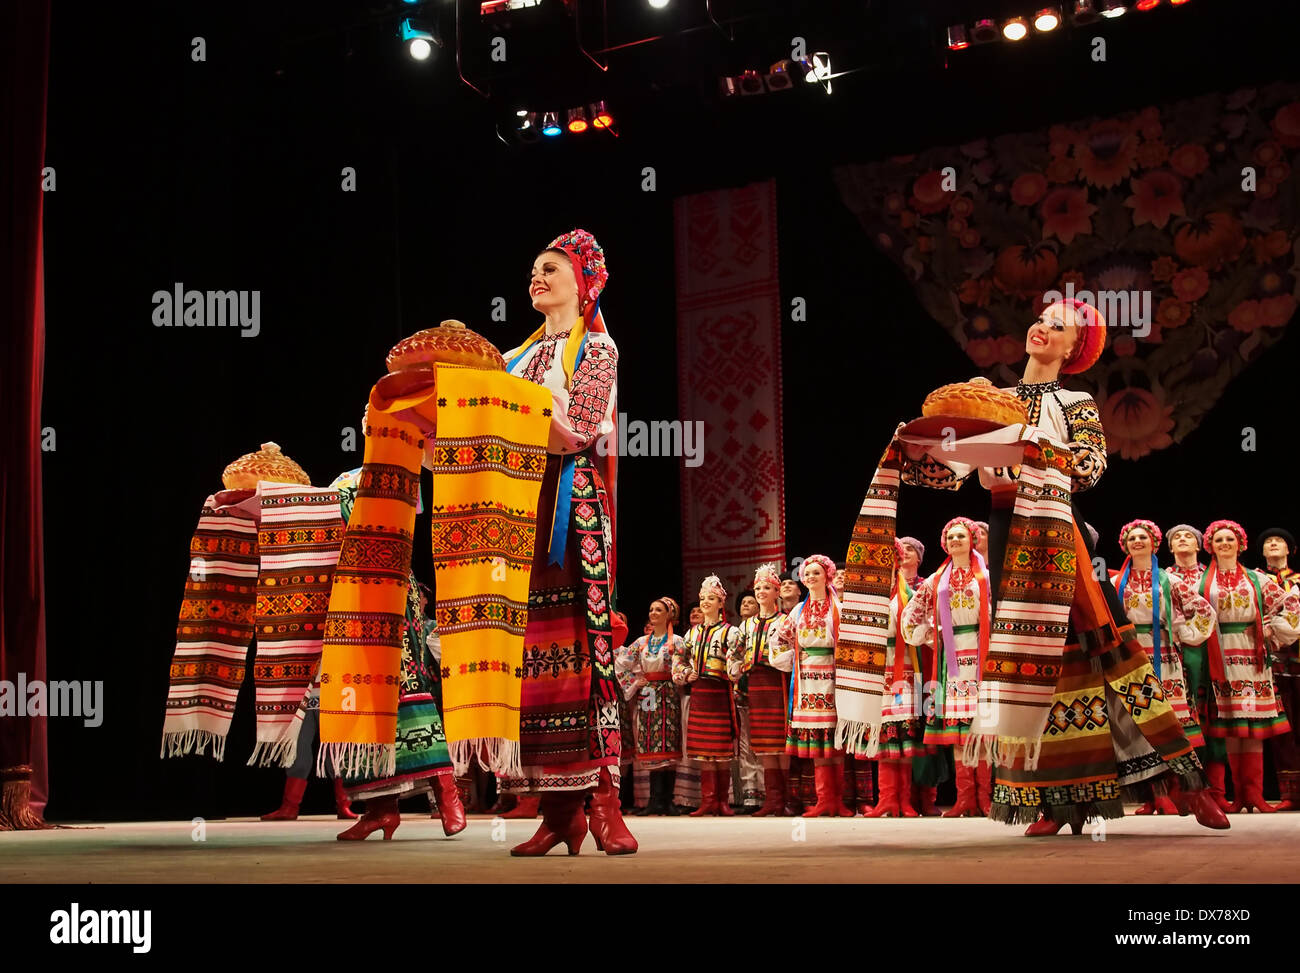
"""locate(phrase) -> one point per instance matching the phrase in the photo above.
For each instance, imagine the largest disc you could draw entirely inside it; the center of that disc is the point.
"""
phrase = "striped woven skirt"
(569, 727)
(657, 723)
(1245, 700)
(1109, 727)
(711, 727)
(767, 730)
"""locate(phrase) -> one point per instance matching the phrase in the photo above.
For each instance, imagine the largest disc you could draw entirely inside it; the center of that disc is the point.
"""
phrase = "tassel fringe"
(16, 813)
(274, 753)
(357, 760)
(503, 757)
(1001, 751)
(853, 736)
(182, 742)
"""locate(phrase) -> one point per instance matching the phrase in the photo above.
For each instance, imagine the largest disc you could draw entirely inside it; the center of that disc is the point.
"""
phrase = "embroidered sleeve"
(779, 656)
(788, 635)
(682, 659)
(1281, 612)
(1087, 442)
(1193, 620)
(627, 666)
(915, 622)
(591, 390)
(736, 653)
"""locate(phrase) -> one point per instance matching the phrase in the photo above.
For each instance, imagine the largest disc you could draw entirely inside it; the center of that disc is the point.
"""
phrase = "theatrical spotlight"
(984, 31)
(528, 130)
(1015, 29)
(751, 83)
(1113, 8)
(551, 124)
(1146, 4)
(958, 39)
(577, 121)
(778, 78)
(659, 4)
(1049, 18)
(1177, 3)
(1084, 12)
(600, 116)
(417, 41)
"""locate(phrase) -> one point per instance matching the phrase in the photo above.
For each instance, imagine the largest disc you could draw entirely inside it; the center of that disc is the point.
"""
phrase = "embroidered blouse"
(585, 410)
(648, 654)
(759, 646)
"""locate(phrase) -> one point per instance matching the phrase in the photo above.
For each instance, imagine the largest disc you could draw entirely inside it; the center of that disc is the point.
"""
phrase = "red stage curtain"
(24, 60)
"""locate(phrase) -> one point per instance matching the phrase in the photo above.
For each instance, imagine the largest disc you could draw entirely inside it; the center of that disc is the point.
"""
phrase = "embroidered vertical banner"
(729, 378)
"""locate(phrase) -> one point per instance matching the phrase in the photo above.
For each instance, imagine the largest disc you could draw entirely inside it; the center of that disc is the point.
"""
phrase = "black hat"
(1281, 532)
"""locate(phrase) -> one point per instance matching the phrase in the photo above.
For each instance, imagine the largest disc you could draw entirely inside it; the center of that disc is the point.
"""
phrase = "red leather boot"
(827, 799)
(450, 809)
(724, 791)
(1238, 782)
(1147, 808)
(381, 812)
(563, 820)
(526, 807)
(607, 826)
(1252, 765)
(928, 795)
(1045, 826)
(342, 804)
(984, 787)
(887, 802)
(773, 793)
(904, 772)
(841, 809)
(288, 809)
(965, 805)
(1201, 803)
(708, 792)
(1214, 770)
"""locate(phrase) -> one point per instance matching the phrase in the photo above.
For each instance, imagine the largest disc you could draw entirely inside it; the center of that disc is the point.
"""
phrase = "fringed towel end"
(354, 761)
(494, 754)
(179, 743)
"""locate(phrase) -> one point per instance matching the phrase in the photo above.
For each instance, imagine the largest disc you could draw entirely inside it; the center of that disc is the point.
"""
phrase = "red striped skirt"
(766, 711)
(711, 726)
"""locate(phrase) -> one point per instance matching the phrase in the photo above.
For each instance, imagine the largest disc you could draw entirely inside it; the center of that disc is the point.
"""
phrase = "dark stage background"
(226, 174)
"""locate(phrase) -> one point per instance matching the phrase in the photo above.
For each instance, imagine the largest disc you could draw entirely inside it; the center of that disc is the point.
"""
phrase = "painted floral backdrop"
(1151, 200)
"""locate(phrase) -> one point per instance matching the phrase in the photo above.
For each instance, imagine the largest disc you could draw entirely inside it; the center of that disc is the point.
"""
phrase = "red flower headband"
(1146, 525)
(588, 259)
(822, 561)
(966, 522)
(1231, 525)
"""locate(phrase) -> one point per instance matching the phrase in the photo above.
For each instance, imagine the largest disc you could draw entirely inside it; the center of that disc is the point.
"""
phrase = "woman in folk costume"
(761, 662)
(568, 672)
(423, 764)
(810, 631)
(1277, 545)
(646, 677)
(1253, 614)
(952, 608)
(711, 725)
(1167, 614)
(1108, 724)
(928, 766)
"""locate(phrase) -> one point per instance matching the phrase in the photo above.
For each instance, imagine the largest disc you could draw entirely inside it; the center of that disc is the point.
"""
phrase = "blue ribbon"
(564, 489)
(1156, 598)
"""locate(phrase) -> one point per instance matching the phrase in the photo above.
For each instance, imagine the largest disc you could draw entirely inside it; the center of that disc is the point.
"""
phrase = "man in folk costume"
(1254, 615)
(1184, 543)
(1167, 615)
(761, 662)
(1070, 710)
(711, 727)
(1277, 545)
(810, 631)
(953, 607)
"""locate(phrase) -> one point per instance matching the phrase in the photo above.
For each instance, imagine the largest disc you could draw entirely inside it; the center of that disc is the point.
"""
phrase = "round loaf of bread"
(977, 399)
(450, 343)
(268, 463)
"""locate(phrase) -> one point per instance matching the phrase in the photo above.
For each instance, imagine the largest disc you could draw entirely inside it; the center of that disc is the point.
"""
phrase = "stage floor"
(741, 849)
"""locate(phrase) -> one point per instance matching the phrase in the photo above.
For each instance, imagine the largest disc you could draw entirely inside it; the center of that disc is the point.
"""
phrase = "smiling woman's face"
(1051, 338)
(551, 283)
